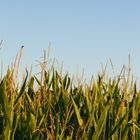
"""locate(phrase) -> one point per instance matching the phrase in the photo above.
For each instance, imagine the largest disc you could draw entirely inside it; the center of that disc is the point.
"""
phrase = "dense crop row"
(53, 107)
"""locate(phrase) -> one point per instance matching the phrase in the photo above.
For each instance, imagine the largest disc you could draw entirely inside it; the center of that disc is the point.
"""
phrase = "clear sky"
(83, 33)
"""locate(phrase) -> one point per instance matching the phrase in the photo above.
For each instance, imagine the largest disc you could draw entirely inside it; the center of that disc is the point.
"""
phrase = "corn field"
(52, 107)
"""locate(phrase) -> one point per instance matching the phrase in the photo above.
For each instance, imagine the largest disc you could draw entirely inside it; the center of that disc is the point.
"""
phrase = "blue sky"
(83, 33)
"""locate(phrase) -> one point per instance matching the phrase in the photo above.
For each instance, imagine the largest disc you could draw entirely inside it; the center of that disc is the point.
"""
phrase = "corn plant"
(53, 107)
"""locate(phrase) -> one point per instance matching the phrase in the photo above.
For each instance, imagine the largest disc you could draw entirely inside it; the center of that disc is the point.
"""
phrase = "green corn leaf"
(54, 82)
(31, 83)
(33, 122)
(118, 125)
(39, 83)
(21, 91)
(88, 102)
(6, 104)
(41, 121)
(125, 131)
(65, 81)
(15, 124)
(100, 125)
(68, 83)
(30, 102)
(80, 120)
(31, 88)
